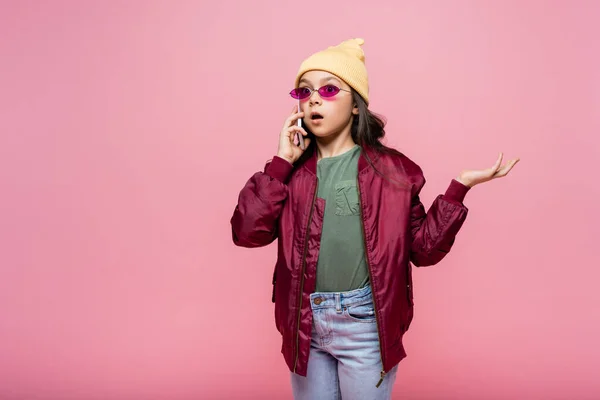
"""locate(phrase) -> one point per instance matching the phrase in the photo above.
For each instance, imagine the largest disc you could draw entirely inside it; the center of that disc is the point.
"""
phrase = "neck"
(334, 145)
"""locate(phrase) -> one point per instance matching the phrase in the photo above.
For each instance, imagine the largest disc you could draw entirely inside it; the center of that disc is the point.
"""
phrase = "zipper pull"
(381, 380)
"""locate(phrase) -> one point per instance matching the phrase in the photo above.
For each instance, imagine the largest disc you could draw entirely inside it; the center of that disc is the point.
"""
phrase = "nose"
(315, 98)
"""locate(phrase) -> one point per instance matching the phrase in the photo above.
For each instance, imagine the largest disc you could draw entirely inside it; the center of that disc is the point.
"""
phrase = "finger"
(492, 171)
(498, 162)
(505, 169)
(289, 131)
(293, 118)
(510, 166)
(296, 128)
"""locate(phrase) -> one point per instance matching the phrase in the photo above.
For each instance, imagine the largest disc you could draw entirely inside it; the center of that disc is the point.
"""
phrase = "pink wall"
(128, 128)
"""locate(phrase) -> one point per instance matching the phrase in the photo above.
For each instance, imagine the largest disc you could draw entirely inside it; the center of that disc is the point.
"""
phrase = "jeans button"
(318, 300)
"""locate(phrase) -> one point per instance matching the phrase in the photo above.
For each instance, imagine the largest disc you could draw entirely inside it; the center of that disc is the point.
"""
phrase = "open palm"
(474, 177)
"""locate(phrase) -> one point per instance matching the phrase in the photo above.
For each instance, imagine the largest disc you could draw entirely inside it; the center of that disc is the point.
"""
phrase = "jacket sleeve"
(255, 218)
(434, 231)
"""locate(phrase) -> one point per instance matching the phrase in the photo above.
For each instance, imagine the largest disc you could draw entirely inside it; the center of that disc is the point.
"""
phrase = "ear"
(354, 110)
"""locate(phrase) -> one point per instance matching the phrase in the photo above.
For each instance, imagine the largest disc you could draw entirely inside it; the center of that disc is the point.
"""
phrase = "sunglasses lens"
(300, 93)
(329, 91)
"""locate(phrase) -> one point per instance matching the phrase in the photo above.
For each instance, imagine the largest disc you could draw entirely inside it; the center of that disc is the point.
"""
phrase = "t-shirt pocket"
(346, 198)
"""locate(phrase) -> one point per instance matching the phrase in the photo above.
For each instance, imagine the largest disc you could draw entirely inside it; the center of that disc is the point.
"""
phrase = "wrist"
(464, 181)
(285, 158)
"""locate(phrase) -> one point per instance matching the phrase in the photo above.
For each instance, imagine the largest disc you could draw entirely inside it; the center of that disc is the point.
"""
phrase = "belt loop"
(338, 303)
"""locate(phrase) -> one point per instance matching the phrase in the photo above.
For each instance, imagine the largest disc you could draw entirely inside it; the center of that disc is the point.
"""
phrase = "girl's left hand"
(471, 178)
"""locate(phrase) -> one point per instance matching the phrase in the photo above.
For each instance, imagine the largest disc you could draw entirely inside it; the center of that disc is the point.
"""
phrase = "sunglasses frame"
(312, 90)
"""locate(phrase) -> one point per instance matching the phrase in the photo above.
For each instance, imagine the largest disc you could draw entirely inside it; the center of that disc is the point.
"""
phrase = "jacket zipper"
(302, 276)
(383, 373)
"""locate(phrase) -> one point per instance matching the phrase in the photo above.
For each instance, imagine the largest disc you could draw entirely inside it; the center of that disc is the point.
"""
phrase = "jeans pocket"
(346, 198)
(361, 312)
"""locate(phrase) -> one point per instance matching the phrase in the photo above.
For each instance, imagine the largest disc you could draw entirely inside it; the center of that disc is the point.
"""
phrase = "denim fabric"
(344, 361)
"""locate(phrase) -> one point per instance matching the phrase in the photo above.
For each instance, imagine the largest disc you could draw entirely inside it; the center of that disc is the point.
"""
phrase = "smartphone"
(298, 134)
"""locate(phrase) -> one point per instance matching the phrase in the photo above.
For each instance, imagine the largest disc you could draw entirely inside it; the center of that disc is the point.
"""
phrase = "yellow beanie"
(346, 61)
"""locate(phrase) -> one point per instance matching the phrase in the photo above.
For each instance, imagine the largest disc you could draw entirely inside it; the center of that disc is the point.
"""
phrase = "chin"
(320, 131)
(321, 135)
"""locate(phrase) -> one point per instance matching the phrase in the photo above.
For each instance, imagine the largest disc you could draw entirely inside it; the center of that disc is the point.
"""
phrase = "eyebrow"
(331, 78)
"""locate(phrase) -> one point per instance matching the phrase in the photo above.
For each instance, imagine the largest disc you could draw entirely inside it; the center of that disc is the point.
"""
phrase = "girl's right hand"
(288, 150)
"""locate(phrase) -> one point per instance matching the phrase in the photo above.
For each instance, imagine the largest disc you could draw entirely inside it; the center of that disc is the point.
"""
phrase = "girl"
(346, 213)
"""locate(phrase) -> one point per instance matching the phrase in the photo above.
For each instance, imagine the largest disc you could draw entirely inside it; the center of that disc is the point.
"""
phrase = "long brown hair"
(368, 128)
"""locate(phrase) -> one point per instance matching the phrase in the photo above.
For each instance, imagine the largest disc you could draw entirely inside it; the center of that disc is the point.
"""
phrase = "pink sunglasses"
(326, 91)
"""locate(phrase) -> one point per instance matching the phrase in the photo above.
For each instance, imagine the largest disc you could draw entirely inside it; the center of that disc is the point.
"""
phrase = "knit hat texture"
(346, 61)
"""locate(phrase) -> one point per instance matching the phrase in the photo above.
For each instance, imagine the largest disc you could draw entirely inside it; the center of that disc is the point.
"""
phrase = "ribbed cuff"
(456, 191)
(279, 169)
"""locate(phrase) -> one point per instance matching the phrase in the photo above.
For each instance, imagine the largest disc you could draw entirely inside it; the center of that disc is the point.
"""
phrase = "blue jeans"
(344, 360)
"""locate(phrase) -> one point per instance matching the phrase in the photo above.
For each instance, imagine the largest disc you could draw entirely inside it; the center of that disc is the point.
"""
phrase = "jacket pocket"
(346, 198)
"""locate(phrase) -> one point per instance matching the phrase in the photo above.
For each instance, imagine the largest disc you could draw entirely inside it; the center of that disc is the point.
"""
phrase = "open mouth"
(316, 116)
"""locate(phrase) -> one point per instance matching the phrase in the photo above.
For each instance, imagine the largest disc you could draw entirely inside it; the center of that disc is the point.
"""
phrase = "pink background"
(129, 127)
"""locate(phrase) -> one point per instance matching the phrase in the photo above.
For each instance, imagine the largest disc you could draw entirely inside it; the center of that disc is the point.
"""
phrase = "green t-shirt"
(341, 265)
